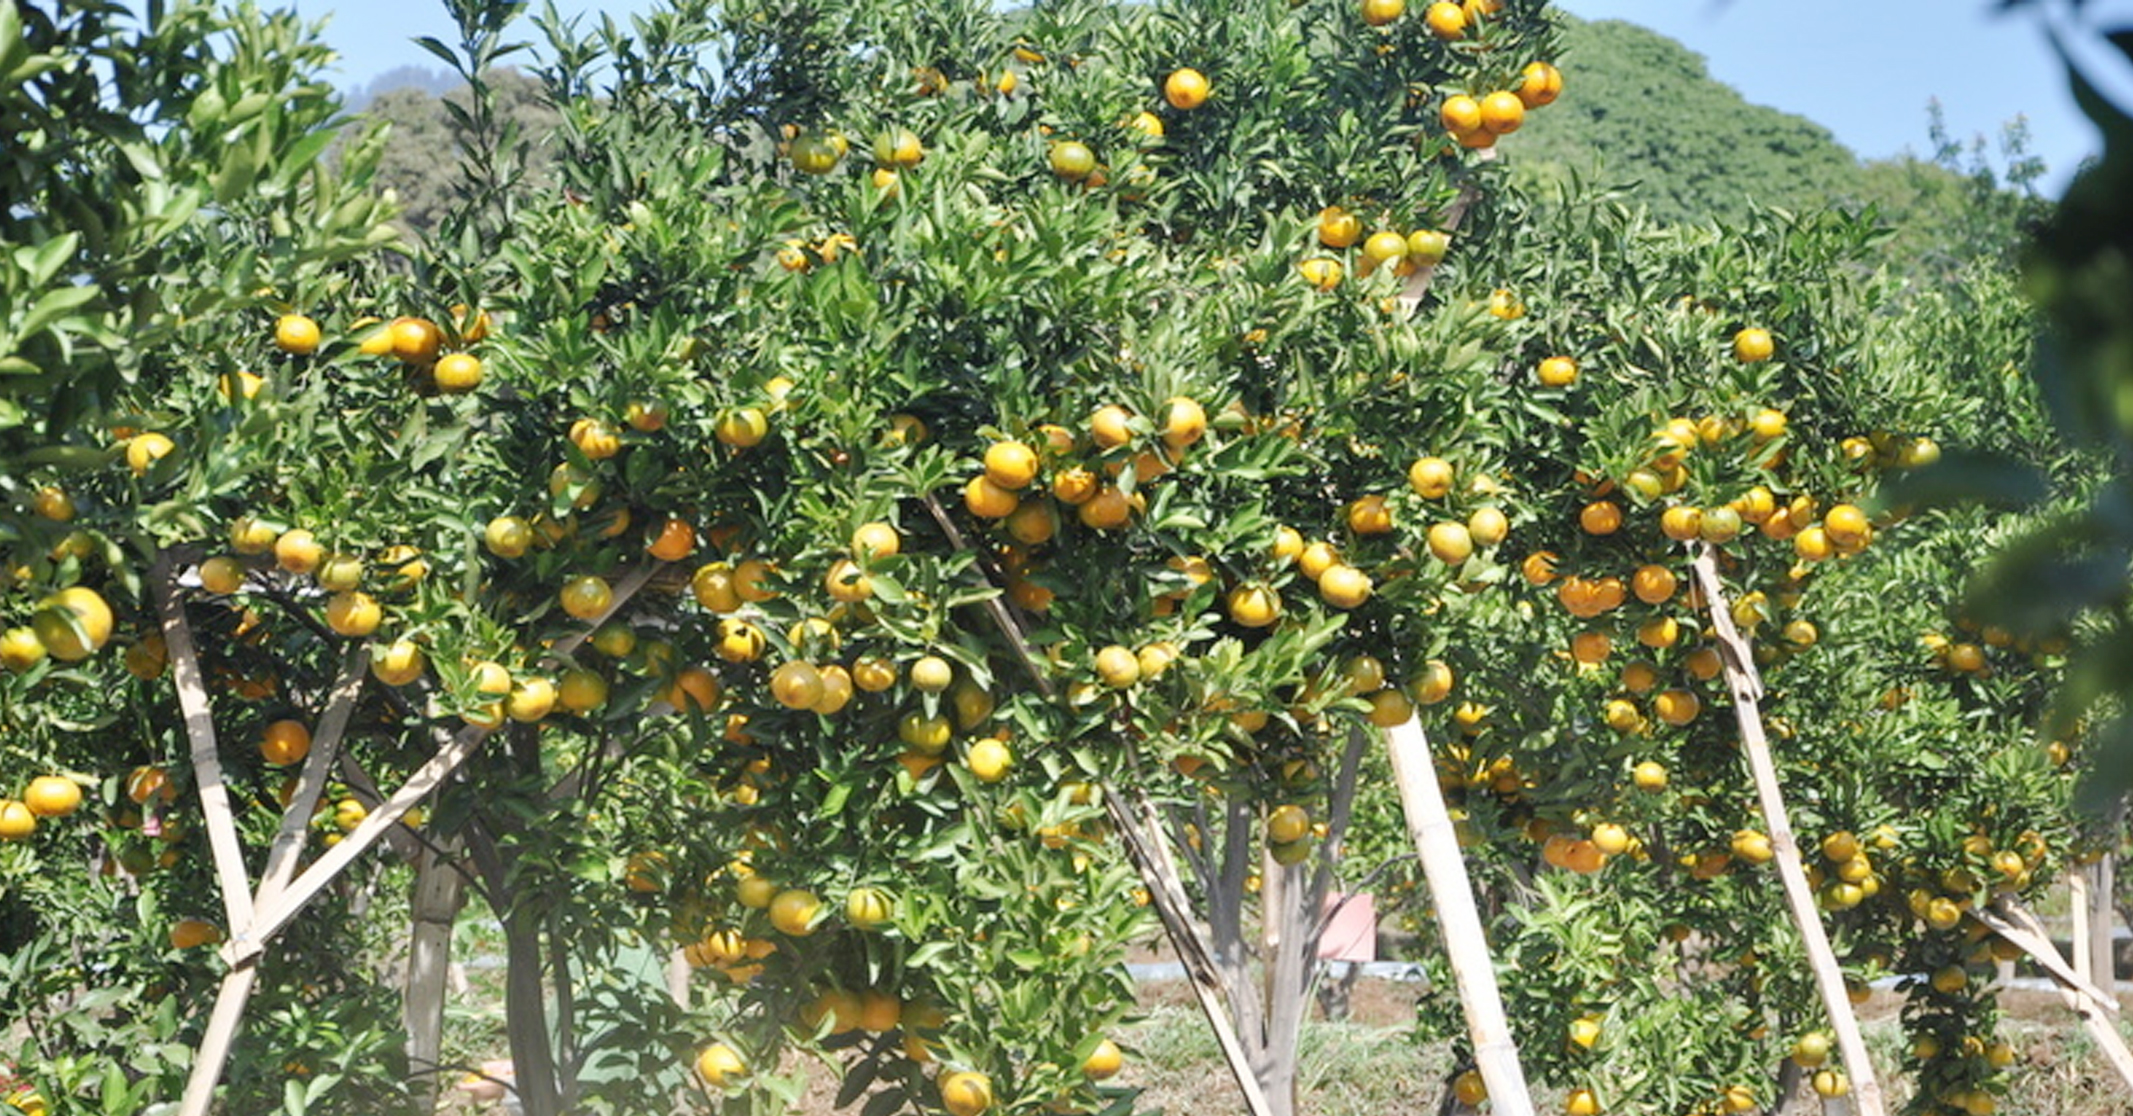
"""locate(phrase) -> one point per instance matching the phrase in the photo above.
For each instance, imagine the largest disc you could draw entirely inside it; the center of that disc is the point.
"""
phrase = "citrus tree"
(926, 469)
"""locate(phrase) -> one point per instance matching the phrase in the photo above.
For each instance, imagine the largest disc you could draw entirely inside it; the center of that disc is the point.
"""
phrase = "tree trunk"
(526, 1015)
(2103, 945)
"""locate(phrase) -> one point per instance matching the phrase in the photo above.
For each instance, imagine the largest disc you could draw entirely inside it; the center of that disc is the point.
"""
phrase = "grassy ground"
(1371, 1064)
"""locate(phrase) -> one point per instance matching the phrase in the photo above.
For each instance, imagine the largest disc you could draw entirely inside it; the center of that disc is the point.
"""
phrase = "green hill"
(1640, 109)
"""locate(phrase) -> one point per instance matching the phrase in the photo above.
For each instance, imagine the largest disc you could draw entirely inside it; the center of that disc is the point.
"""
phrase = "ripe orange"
(1344, 586)
(719, 1064)
(298, 551)
(353, 614)
(796, 685)
(1557, 372)
(1681, 523)
(1539, 84)
(1110, 426)
(1184, 422)
(1601, 517)
(1104, 1062)
(1338, 228)
(284, 742)
(296, 334)
(742, 428)
(1502, 113)
(1450, 543)
(1010, 465)
(1320, 272)
(931, 674)
(1369, 515)
(187, 933)
(1186, 89)
(16, 820)
(1385, 247)
(415, 340)
(72, 624)
(1590, 646)
(1460, 115)
(965, 1093)
(581, 691)
(1118, 666)
(989, 760)
(1446, 20)
(531, 700)
(1108, 510)
(1433, 684)
(144, 450)
(1753, 346)
(1677, 707)
(50, 796)
(1254, 605)
(794, 912)
(1488, 526)
(1430, 477)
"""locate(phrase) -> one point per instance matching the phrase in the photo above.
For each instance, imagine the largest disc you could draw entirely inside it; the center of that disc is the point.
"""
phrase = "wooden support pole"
(2015, 923)
(1166, 893)
(2102, 921)
(1436, 841)
(1746, 689)
(230, 872)
(215, 1046)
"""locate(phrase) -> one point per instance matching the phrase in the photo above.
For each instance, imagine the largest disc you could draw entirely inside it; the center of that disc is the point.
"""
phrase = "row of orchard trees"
(917, 450)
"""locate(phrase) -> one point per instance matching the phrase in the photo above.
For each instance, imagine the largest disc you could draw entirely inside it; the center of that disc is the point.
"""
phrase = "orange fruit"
(1502, 113)
(50, 796)
(144, 450)
(298, 551)
(1445, 20)
(1430, 477)
(674, 541)
(1601, 517)
(1320, 272)
(353, 614)
(1186, 89)
(1460, 114)
(415, 340)
(1254, 605)
(719, 1064)
(586, 598)
(1344, 586)
(1338, 228)
(1110, 426)
(965, 1093)
(794, 912)
(1557, 372)
(296, 334)
(16, 820)
(284, 742)
(1450, 543)
(1753, 346)
(1072, 160)
(1539, 84)
(72, 624)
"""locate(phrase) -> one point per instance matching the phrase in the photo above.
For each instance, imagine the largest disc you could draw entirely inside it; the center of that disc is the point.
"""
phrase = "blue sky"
(1863, 69)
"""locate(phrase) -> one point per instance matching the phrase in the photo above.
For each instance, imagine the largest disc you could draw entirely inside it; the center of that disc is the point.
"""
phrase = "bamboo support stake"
(1150, 856)
(1746, 690)
(221, 1036)
(2077, 904)
(230, 872)
(2098, 1012)
(1436, 841)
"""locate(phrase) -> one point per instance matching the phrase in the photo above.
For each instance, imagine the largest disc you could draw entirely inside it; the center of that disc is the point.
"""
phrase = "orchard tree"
(931, 483)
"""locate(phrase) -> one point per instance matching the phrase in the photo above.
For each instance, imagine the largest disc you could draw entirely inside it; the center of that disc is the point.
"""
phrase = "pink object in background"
(1353, 933)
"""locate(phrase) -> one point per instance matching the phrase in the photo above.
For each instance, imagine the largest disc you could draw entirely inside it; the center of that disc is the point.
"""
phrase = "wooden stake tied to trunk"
(1436, 840)
(1746, 689)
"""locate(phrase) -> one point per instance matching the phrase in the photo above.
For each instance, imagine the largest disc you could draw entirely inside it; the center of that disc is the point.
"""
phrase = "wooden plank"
(230, 1001)
(1746, 689)
(1166, 892)
(230, 872)
(2015, 923)
(1436, 841)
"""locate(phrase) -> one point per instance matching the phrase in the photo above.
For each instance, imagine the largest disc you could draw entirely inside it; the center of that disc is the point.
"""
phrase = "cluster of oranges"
(1478, 122)
(1404, 253)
